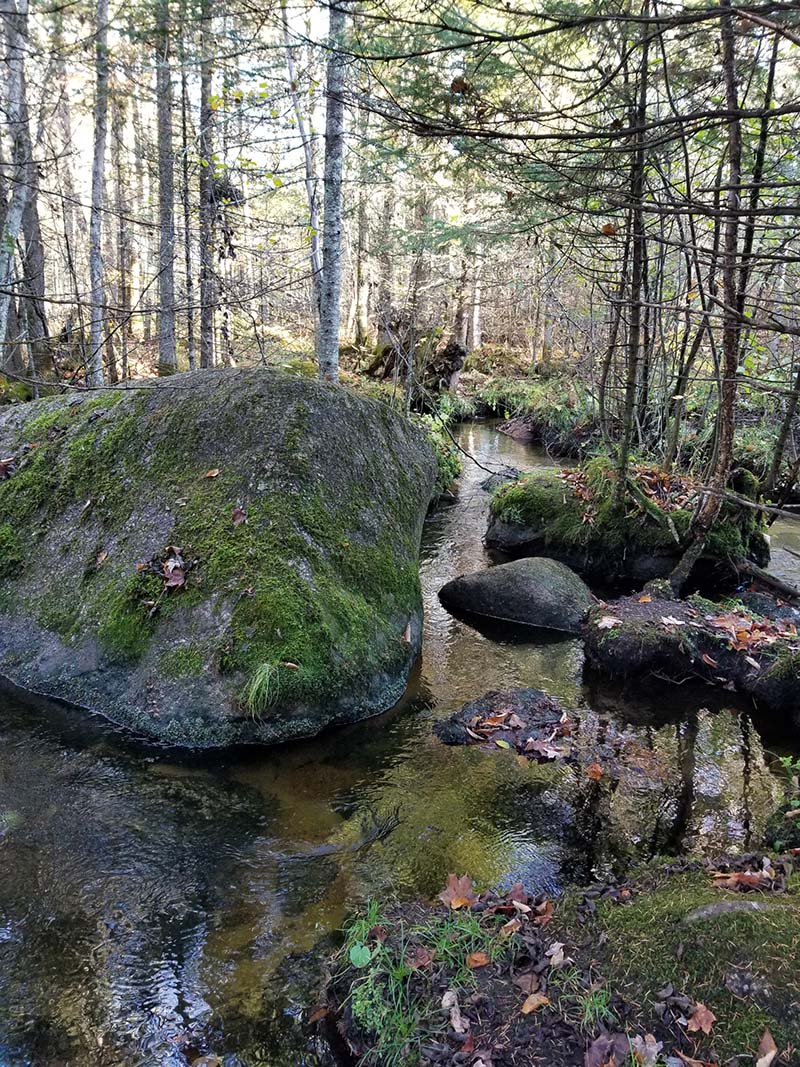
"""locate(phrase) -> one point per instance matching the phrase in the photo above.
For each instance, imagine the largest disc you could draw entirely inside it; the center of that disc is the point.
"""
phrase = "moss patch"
(648, 945)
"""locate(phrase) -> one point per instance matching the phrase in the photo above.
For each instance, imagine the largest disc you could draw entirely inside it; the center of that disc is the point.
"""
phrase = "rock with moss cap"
(224, 556)
(573, 517)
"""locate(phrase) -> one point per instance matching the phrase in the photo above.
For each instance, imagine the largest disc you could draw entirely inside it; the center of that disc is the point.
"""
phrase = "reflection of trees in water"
(108, 886)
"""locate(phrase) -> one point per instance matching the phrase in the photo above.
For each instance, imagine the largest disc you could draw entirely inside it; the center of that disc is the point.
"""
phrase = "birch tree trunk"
(330, 290)
(94, 371)
(167, 356)
(15, 113)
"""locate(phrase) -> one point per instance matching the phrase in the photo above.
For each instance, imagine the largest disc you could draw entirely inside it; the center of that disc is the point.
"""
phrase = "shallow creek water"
(151, 906)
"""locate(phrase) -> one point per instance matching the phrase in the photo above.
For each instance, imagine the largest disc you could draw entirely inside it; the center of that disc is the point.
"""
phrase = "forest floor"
(686, 963)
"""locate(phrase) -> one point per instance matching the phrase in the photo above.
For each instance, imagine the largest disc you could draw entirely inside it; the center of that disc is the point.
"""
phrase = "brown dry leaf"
(459, 892)
(544, 913)
(534, 1002)
(238, 516)
(709, 662)
(175, 578)
(742, 880)
(767, 1050)
(317, 1014)
(292, 666)
(541, 748)
(608, 622)
(702, 1018)
(511, 927)
(594, 771)
(101, 558)
(213, 473)
(645, 599)
(419, 957)
(477, 959)
(528, 982)
(608, 229)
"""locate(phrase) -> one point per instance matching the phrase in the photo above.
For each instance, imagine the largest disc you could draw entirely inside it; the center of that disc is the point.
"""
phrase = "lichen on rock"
(292, 512)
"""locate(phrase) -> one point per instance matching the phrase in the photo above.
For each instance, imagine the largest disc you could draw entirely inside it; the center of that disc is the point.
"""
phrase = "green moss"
(548, 504)
(184, 662)
(125, 622)
(648, 944)
(11, 552)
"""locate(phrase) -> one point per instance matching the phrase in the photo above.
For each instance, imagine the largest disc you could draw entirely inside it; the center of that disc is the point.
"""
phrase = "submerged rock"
(532, 591)
(218, 557)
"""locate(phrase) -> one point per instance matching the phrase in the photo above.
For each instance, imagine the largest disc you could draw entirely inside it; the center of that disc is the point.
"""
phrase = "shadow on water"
(154, 907)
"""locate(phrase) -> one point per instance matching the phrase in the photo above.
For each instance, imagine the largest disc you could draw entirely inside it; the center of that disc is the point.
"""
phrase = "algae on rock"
(294, 509)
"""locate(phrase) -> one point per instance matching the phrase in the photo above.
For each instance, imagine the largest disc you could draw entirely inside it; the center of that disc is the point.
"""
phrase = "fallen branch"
(788, 592)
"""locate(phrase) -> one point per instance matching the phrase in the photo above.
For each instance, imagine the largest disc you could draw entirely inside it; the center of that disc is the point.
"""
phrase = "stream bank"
(154, 904)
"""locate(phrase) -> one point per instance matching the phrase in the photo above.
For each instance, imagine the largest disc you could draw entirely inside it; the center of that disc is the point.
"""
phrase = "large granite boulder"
(217, 557)
(532, 591)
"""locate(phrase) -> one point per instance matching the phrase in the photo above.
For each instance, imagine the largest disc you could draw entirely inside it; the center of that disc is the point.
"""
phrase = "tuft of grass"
(263, 688)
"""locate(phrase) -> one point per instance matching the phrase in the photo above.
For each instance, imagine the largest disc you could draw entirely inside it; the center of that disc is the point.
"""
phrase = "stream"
(154, 908)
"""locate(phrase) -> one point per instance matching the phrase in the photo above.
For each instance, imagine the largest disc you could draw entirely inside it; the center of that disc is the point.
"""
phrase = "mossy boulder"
(573, 517)
(725, 645)
(532, 591)
(219, 557)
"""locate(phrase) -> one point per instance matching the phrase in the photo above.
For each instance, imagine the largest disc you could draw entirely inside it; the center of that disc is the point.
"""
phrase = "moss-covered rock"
(573, 517)
(289, 513)
(725, 645)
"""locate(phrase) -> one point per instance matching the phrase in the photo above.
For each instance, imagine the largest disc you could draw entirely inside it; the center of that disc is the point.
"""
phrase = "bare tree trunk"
(187, 216)
(310, 170)
(207, 204)
(167, 355)
(124, 244)
(386, 265)
(638, 252)
(710, 506)
(330, 302)
(94, 371)
(16, 114)
(474, 328)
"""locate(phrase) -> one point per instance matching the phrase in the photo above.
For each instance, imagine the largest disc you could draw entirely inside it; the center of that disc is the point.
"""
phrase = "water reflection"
(153, 909)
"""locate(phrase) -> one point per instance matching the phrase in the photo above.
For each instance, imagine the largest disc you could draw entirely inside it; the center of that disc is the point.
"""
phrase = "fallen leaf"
(457, 1021)
(541, 748)
(213, 473)
(502, 744)
(645, 599)
(528, 982)
(175, 578)
(594, 771)
(544, 913)
(608, 229)
(101, 558)
(556, 954)
(742, 880)
(646, 1049)
(534, 1002)
(419, 957)
(702, 1018)
(291, 666)
(238, 516)
(709, 662)
(477, 959)
(511, 927)
(608, 1050)
(459, 892)
(767, 1050)
(608, 622)
(317, 1014)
